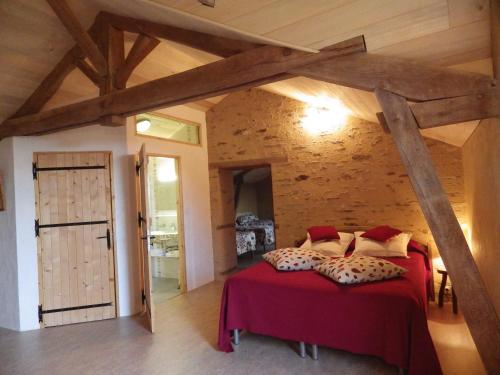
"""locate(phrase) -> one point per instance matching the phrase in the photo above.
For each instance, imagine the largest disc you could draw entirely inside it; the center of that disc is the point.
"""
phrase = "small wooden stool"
(444, 278)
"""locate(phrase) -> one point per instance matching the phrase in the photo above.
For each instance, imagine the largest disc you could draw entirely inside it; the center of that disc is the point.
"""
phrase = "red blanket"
(386, 319)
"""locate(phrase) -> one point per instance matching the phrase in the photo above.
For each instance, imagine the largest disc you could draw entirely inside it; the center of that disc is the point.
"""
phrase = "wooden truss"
(442, 96)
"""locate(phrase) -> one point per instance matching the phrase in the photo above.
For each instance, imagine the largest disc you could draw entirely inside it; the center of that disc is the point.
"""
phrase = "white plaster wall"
(95, 138)
(9, 298)
(18, 248)
(195, 193)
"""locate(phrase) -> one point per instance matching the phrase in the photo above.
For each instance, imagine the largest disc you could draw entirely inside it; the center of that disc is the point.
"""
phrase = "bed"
(246, 241)
(387, 319)
(263, 230)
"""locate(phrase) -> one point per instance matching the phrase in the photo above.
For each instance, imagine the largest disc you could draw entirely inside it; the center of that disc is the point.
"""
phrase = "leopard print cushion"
(359, 269)
(294, 259)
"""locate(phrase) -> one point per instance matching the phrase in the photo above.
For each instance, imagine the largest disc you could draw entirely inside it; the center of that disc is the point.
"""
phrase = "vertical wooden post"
(111, 44)
(473, 297)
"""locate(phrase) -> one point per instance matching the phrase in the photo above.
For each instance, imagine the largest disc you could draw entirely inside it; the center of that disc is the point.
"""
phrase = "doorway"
(164, 227)
(74, 230)
(254, 214)
(161, 234)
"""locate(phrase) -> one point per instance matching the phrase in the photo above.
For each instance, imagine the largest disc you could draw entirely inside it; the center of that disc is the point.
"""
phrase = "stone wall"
(351, 178)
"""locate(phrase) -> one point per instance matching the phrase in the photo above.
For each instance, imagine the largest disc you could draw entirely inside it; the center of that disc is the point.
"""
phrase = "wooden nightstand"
(444, 278)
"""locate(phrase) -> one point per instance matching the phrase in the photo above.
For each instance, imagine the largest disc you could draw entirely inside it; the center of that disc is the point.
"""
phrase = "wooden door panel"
(144, 236)
(77, 268)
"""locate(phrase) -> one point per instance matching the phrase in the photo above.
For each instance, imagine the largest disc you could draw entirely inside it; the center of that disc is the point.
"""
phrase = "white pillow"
(393, 247)
(332, 248)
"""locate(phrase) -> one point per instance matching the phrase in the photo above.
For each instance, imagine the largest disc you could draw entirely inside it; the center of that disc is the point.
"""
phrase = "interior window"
(168, 127)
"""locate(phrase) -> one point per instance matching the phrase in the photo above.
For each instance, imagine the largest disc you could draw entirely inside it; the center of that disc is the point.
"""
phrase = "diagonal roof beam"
(475, 302)
(248, 69)
(434, 113)
(82, 38)
(142, 46)
(412, 80)
(213, 44)
(51, 83)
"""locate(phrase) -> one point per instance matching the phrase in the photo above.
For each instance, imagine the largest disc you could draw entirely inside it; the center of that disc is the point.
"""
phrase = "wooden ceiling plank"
(473, 297)
(406, 78)
(459, 109)
(142, 46)
(248, 69)
(216, 45)
(82, 38)
(48, 86)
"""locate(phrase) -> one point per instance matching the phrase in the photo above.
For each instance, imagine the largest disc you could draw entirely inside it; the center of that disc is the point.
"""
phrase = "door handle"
(108, 238)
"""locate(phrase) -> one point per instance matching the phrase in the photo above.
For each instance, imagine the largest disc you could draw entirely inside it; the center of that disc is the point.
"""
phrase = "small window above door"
(167, 127)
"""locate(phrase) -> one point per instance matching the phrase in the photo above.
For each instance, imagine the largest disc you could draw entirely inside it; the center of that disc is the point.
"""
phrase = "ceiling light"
(143, 125)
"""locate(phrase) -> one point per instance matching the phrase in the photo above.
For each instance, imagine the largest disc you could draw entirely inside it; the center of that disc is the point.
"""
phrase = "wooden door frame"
(229, 166)
(112, 224)
(180, 221)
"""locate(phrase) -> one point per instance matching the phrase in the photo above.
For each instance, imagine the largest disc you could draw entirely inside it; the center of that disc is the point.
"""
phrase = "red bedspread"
(386, 319)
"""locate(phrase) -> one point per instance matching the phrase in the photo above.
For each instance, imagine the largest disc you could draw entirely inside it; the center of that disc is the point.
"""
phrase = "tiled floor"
(165, 289)
(185, 343)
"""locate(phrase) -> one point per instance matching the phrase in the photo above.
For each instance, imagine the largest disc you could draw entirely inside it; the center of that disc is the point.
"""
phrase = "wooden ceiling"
(440, 32)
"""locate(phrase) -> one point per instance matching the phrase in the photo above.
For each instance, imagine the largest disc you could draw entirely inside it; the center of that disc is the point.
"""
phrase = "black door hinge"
(137, 167)
(37, 228)
(140, 219)
(143, 296)
(34, 170)
(40, 314)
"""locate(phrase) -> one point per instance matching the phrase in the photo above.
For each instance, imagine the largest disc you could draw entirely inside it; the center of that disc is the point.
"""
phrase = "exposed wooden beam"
(143, 45)
(112, 45)
(406, 78)
(216, 45)
(49, 85)
(472, 295)
(248, 69)
(110, 41)
(89, 71)
(449, 111)
(495, 36)
(82, 38)
(454, 110)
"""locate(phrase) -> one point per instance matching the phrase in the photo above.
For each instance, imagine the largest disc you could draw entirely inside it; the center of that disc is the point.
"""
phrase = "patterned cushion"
(294, 259)
(246, 218)
(359, 269)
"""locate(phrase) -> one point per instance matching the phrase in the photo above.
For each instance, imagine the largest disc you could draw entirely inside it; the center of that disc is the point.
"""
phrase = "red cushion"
(323, 233)
(381, 233)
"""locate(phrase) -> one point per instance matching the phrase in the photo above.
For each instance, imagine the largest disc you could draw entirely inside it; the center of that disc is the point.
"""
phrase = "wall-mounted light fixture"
(143, 125)
(325, 115)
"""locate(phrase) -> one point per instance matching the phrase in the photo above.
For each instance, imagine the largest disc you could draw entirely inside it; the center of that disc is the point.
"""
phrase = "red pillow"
(323, 233)
(381, 233)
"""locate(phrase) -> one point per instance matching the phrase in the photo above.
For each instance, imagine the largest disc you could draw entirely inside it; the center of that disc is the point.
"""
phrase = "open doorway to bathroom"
(254, 221)
(166, 235)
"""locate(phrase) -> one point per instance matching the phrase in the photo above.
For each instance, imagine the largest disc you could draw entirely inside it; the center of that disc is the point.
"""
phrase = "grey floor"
(185, 343)
(165, 289)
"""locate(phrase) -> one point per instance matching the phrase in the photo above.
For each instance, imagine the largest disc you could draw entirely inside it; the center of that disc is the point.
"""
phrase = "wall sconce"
(325, 115)
(143, 125)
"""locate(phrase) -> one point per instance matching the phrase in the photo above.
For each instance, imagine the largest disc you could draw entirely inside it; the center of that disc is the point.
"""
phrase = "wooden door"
(144, 236)
(74, 228)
